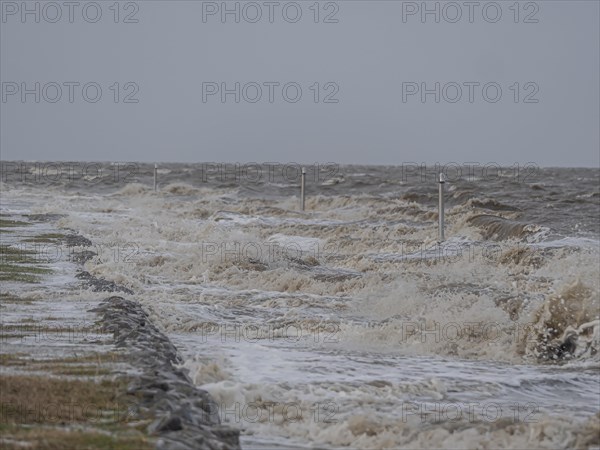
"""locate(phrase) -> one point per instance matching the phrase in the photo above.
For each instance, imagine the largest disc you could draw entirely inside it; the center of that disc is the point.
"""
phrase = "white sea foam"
(384, 317)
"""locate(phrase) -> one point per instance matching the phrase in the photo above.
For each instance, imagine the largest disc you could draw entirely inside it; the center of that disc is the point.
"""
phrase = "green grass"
(46, 238)
(21, 264)
(7, 223)
(10, 254)
(22, 273)
(64, 439)
(17, 264)
(31, 327)
(6, 297)
(92, 365)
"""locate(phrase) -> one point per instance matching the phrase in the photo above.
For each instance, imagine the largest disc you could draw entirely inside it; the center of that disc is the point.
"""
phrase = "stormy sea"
(349, 323)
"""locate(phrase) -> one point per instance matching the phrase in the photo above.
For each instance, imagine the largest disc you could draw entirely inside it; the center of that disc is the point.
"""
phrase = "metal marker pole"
(302, 185)
(441, 208)
(155, 175)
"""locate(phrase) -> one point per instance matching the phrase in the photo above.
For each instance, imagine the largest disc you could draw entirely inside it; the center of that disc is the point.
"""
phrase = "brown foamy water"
(348, 324)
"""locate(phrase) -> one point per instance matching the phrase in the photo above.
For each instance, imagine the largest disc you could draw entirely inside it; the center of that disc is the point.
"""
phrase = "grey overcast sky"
(517, 82)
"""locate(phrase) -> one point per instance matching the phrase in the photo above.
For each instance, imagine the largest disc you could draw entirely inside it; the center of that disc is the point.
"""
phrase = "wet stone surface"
(187, 417)
(76, 240)
(100, 284)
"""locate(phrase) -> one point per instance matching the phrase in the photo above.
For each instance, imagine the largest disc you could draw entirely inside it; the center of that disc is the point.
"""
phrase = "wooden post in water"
(155, 176)
(302, 187)
(441, 209)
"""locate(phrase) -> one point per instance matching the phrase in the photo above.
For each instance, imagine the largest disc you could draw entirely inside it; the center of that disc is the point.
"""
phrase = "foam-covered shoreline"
(161, 402)
(187, 417)
(352, 311)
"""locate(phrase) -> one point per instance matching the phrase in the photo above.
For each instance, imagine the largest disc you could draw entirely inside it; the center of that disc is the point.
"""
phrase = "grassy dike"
(59, 389)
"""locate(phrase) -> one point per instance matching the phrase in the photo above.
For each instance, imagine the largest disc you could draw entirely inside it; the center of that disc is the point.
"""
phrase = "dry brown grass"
(50, 413)
(14, 438)
(38, 399)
